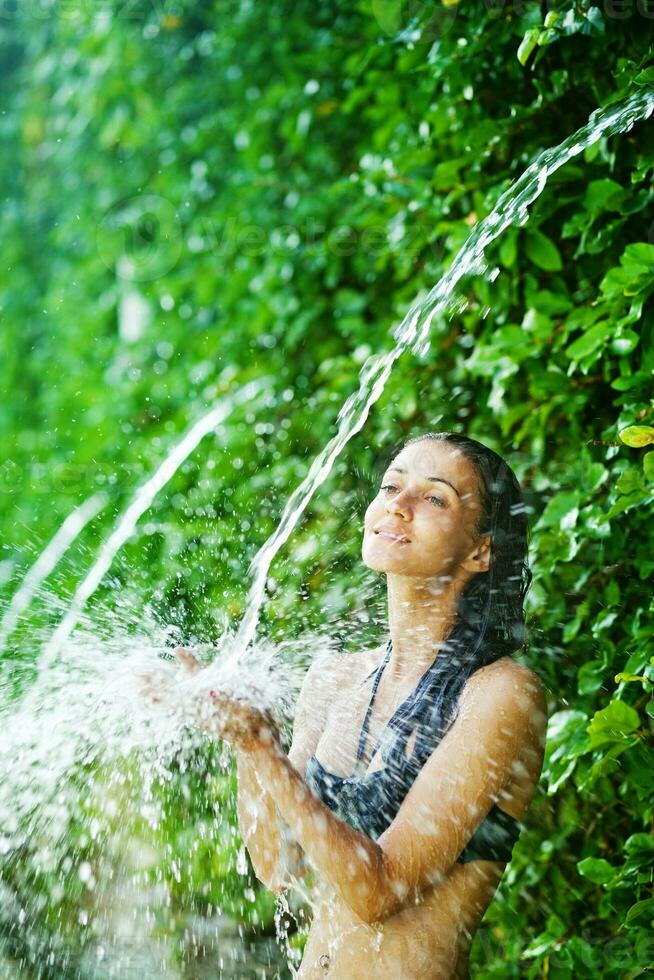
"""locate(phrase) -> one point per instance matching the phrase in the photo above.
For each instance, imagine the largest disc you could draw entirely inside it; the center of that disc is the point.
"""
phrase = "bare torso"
(432, 939)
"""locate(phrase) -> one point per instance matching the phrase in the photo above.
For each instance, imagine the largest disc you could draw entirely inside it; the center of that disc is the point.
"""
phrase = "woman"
(412, 765)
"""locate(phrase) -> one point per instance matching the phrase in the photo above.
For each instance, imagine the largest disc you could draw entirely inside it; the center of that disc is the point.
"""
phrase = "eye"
(392, 486)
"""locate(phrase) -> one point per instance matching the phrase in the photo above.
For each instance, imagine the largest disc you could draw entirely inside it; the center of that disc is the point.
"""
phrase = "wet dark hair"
(490, 619)
(492, 604)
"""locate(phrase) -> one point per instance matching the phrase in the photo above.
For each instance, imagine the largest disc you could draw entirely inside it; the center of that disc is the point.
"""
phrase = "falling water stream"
(142, 500)
(413, 331)
(44, 738)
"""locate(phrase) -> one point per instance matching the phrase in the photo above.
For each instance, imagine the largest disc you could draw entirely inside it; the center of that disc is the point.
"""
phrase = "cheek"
(452, 532)
(439, 533)
(372, 513)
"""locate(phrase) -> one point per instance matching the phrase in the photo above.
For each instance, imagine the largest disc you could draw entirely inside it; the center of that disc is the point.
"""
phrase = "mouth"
(389, 536)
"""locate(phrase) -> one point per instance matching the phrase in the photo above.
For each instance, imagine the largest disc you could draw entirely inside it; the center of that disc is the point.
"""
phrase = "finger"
(144, 682)
(223, 703)
(229, 721)
(151, 686)
(187, 659)
(229, 703)
(150, 694)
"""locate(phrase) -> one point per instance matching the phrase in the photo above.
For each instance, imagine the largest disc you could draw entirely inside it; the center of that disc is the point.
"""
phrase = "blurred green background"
(199, 194)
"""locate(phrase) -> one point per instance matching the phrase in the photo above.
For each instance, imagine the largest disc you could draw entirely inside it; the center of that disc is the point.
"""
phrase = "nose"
(400, 504)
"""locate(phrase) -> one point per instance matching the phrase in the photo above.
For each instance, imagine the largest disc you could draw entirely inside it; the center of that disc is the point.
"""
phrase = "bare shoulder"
(520, 689)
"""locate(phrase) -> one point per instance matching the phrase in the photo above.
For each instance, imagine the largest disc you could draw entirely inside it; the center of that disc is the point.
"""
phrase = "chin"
(383, 563)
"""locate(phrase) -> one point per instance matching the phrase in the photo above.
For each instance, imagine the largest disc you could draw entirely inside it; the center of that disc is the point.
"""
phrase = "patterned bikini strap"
(397, 722)
(364, 728)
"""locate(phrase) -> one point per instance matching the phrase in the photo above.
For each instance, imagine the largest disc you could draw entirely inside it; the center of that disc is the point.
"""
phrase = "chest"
(344, 735)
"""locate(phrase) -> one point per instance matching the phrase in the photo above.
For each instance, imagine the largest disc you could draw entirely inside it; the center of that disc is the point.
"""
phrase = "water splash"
(90, 706)
(54, 550)
(142, 500)
(85, 760)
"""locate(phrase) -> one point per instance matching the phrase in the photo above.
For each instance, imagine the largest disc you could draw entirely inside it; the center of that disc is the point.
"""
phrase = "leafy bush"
(208, 193)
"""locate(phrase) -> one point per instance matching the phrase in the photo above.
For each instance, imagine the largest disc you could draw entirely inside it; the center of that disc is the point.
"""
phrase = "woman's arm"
(453, 792)
(260, 826)
(347, 858)
(276, 856)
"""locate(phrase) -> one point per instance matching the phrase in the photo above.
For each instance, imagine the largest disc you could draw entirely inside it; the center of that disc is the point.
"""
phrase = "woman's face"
(421, 523)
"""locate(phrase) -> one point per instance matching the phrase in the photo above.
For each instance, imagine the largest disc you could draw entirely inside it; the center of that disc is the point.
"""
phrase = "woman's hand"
(157, 685)
(232, 719)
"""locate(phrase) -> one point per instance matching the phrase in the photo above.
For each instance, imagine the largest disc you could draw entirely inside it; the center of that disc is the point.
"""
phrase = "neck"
(421, 614)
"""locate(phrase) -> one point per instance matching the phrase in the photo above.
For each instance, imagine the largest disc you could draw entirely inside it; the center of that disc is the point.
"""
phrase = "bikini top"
(370, 801)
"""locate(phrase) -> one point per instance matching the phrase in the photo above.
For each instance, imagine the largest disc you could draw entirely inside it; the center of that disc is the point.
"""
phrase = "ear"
(479, 559)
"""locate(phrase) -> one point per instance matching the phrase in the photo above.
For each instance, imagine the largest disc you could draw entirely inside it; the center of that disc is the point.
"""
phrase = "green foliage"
(202, 194)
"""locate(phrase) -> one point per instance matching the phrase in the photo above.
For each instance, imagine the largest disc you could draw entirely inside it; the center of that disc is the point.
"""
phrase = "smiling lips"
(384, 532)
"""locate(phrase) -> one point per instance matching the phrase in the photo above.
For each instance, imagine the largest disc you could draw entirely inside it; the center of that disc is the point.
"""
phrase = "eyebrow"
(432, 479)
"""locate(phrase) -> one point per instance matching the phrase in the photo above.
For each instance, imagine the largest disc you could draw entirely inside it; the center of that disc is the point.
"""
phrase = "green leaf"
(626, 678)
(595, 18)
(625, 503)
(602, 195)
(648, 465)
(625, 343)
(597, 870)
(639, 844)
(548, 302)
(591, 676)
(630, 481)
(628, 381)
(567, 740)
(613, 723)
(634, 274)
(543, 252)
(446, 174)
(645, 77)
(546, 37)
(590, 341)
(509, 248)
(561, 511)
(612, 593)
(642, 909)
(616, 282)
(527, 45)
(638, 256)
(637, 436)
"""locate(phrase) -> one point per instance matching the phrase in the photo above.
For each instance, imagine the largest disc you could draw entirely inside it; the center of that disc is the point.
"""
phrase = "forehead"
(431, 458)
